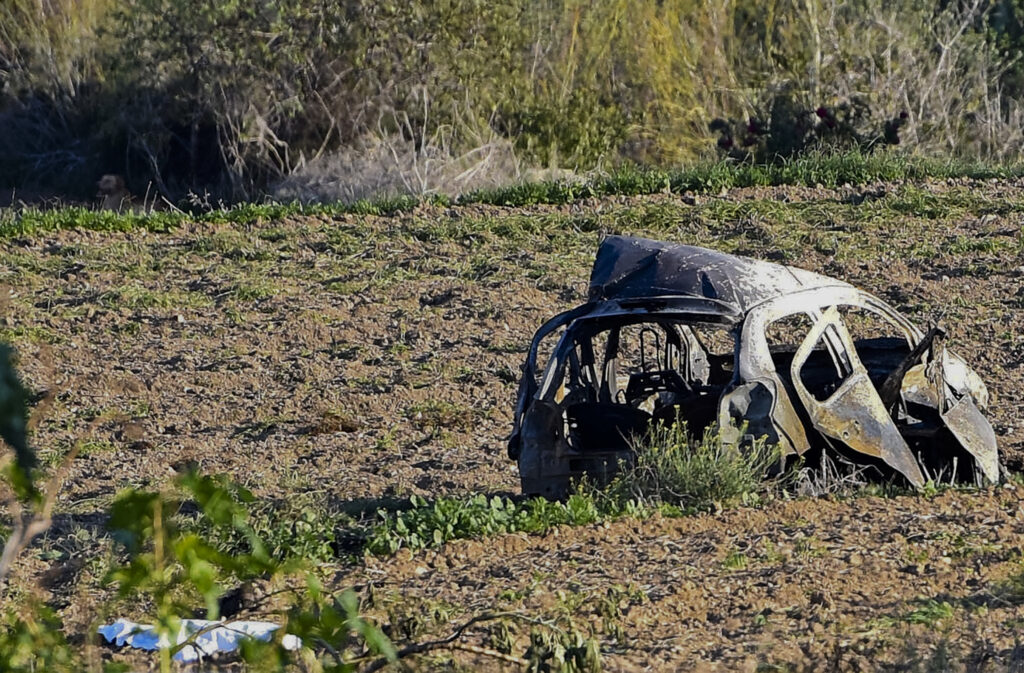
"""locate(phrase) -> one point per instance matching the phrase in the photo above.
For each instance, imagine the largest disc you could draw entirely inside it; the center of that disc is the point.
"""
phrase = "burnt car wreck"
(809, 362)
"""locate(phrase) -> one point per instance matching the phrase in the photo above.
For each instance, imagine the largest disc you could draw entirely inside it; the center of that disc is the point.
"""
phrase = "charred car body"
(812, 363)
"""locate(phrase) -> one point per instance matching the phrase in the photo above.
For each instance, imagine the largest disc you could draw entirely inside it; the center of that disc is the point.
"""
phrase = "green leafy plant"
(171, 566)
(32, 639)
(567, 651)
(431, 524)
(336, 621)
(299, 528)
(929, 613)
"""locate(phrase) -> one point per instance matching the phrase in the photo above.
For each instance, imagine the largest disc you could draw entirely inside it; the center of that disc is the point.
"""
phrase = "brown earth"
(807, 585)
(355, 359)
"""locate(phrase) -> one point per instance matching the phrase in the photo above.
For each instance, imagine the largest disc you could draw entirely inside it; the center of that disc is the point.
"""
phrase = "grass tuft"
(674, 469)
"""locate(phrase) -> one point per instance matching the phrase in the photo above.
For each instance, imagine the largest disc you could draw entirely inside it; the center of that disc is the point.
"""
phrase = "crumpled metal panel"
(854, 414)
(976, 435)
(925, 385)
(630, 267)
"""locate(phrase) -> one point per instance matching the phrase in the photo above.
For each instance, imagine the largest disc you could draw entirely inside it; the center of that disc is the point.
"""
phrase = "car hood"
(631, 268)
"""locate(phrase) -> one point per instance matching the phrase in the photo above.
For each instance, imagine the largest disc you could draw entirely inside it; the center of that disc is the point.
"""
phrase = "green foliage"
(231, 96)
(736, 560)
(13, 428)
(32, 639)
(929, 613)
(171, 566)
(826, 169)
(29, 222)
(439, 414)
(32, 221)
(566, 651)
(1013, 587)
(675, 469)
(298, 528)
(337, 621)
(433, 524)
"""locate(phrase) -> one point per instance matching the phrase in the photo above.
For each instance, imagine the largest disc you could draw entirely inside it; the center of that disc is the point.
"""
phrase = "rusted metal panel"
(976, 435)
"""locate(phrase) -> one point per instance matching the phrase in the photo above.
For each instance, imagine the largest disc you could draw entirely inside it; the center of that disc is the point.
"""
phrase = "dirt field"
(360, 359)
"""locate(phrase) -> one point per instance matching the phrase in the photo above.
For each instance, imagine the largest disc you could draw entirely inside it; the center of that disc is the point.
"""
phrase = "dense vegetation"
(344, 100)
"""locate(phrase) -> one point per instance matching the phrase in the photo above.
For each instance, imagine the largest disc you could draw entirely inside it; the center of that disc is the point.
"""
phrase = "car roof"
(631, 268)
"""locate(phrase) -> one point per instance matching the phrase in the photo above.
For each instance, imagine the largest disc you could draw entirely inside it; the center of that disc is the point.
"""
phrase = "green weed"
(255, 290)
(429, 524)
(929, 613)
(32, 334)
(300, 527)
(673, 468)
(435, 415)
(137, 297)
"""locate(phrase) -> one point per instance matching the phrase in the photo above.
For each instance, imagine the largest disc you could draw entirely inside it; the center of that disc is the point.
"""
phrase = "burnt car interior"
(623, 374)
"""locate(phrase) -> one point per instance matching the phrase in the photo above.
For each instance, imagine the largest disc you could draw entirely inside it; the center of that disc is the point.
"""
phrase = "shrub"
(343, 99)
(672, 468)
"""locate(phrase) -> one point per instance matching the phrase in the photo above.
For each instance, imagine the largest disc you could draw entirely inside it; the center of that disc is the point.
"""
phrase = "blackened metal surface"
(629, 267)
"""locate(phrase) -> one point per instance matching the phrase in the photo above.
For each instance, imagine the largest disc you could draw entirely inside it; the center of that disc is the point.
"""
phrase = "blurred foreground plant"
(169, 567)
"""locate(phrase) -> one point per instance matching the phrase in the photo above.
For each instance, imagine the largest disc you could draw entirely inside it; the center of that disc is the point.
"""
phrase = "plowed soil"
(356, 359)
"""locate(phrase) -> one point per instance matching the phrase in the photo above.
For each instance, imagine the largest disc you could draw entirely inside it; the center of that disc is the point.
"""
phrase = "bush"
(330, 100)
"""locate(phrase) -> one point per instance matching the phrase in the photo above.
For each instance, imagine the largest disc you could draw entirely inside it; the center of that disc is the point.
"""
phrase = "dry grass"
(396, 104)
(390, 165)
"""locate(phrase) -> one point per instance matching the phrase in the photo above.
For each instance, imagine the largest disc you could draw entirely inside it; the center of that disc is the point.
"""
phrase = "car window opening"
(646, 372)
